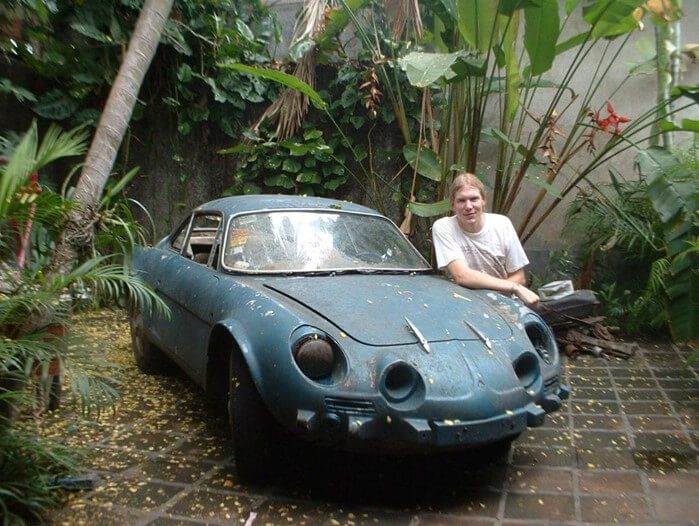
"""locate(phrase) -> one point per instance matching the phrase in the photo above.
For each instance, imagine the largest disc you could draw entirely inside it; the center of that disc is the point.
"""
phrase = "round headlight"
(315, 357)
(540, 340)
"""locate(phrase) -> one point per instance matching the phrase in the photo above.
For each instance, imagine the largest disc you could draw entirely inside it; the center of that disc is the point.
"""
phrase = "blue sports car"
(317, 318)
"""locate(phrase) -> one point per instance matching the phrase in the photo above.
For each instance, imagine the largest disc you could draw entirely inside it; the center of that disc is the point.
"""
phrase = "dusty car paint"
(471, 373)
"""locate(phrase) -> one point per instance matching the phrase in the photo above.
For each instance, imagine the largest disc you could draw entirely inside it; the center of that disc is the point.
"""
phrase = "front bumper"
(358, 430)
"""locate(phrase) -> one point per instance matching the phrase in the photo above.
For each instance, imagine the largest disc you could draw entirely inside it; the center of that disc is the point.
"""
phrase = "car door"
(163, 266)
(193, 290)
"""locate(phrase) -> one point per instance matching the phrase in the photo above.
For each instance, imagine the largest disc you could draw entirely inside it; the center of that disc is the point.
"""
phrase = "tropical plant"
(646, 229)
(29, 465)
(478, 86)
(35, 310)
(673, 189)
(305, 164)
(110, 132)
(482, 74)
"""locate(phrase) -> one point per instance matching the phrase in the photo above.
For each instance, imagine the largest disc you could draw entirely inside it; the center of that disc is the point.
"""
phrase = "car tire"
(148, 357)
(257, 437)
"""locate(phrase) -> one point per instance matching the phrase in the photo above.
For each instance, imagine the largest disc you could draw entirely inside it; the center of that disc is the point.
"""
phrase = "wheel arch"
(227, 337)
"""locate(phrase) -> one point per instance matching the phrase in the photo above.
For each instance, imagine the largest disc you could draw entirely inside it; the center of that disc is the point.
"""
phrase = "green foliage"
(281, 78)
(482, 75)
(322, 160)
(304, 165)
(622, 236)
(424, 161)
(76, 49)
(29, 465)
(19, 93)
(673, 189)
(35, 307)
(647, 229)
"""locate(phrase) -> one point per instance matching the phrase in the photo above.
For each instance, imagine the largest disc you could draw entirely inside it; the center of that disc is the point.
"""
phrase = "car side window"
(178, 241)
(202, 237)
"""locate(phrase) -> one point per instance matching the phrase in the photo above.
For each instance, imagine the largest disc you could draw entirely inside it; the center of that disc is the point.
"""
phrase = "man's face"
(468, 206)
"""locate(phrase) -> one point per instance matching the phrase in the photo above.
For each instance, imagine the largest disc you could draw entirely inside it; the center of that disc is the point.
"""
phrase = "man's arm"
(474, 279)
(518, 276)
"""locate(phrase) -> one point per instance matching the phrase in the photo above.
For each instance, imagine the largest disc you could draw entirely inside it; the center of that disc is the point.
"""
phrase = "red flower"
(613, 120)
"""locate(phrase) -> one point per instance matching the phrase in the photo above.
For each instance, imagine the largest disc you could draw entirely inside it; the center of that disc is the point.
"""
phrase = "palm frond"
(144, 210)
(118, 186)
(58, 144)
(658, 275)
(18, 169)
(29, 157)
(46, 207)
(20, 356)
(309, 20)
(110, 281)
(617, 216)
(93, 380)
(292, 105)
(15, 309)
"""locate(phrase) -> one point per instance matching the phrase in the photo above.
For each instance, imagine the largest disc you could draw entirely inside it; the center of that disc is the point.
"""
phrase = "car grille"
(551, 385)
(349, 406)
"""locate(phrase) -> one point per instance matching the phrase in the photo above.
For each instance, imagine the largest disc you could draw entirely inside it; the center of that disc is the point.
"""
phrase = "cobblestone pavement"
(622, 450)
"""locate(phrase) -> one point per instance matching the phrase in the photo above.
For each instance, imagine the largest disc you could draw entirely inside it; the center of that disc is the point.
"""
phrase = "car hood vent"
(372, 308)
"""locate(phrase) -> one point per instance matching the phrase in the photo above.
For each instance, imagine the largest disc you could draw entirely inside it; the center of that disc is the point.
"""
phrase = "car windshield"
(311, 241)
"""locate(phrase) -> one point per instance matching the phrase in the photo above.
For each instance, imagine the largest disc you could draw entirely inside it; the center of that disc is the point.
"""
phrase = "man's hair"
(465, 179)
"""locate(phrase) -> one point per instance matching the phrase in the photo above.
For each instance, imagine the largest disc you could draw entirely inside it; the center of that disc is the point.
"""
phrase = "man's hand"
(528, 297)
(474, 279)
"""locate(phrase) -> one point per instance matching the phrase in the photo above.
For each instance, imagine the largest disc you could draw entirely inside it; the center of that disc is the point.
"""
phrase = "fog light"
(527, 369)
(315, 357)
(399, 382)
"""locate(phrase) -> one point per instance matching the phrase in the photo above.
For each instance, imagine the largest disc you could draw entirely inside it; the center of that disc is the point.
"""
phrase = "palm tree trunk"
(109, 134)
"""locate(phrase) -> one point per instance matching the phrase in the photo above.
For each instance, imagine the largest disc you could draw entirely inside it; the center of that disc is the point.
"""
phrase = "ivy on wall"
(75, 48)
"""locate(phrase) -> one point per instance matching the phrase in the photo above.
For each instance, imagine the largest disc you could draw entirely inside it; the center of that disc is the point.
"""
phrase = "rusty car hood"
(373, 309)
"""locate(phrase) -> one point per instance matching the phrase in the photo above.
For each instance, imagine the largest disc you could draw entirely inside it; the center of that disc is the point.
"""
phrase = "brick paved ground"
(622, 450)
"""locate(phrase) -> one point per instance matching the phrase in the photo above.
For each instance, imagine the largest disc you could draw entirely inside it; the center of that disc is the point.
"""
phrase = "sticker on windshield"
(239, 237)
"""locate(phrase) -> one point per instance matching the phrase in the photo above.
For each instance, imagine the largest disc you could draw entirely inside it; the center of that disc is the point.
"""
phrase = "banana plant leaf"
(285, 79)
(428, 166)
(430, 209)
(541, 34)
(424, 69)
(673, 190)
(611, 18)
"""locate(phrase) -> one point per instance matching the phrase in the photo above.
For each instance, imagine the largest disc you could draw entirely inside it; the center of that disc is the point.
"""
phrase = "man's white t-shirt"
(495, 250)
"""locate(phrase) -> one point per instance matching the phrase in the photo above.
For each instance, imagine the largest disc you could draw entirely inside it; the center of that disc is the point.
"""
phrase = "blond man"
(480, 250)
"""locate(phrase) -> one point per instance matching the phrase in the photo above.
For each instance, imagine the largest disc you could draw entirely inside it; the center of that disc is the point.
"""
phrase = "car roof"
(246, 203)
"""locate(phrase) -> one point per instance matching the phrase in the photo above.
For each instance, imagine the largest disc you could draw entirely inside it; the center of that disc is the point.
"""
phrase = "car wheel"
(256, 436)
(148, 357)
